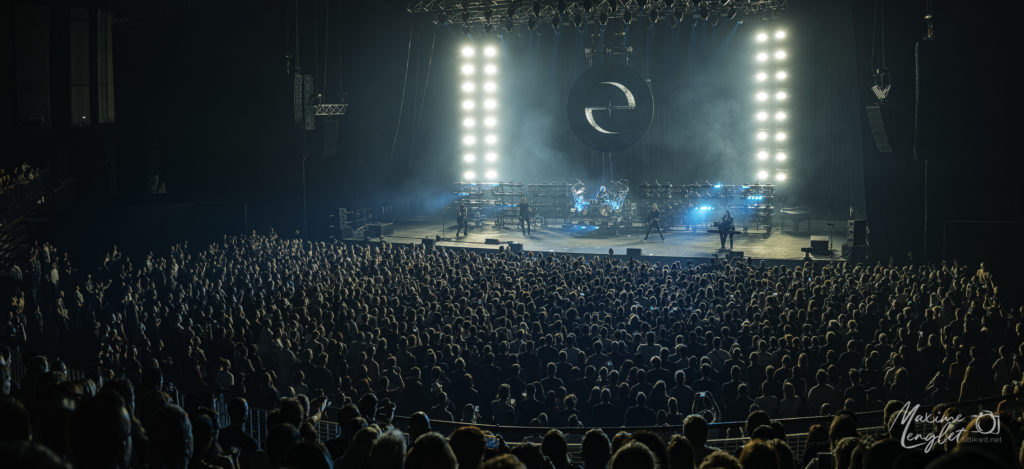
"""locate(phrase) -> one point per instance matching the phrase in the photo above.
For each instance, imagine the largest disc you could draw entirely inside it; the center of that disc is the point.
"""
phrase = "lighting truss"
(491, 13)
(330, 110)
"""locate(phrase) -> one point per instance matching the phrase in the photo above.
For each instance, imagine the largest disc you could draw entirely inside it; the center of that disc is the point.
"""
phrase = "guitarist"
(463, 221)
(726, 229)
(524, 217)
(654, 221)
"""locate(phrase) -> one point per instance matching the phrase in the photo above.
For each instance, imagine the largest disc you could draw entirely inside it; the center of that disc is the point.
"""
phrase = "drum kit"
(606, 203)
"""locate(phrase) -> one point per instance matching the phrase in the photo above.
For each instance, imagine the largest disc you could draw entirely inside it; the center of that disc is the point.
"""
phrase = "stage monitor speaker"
(734, 254)
(877, 125)
(428, 243)
(857, 232)
(516, 247)
(634, 252)
(492, 241)
(819, 244)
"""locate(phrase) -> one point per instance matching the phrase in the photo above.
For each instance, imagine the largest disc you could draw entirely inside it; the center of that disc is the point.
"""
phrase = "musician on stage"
(463, 221)
(726, 229)
(654, 221)
(524, 217)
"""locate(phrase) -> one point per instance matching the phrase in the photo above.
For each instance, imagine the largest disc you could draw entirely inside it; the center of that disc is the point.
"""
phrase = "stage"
(783, 244)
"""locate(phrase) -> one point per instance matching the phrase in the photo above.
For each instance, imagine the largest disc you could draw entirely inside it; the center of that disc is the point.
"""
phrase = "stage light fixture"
(780, 54)
(762, 174)
(603, 19)
(761, 76)
(761, 96)
(556, 23)
(510, 12)
(441, 19)
(762, 56)
(762, 155)
(627, 17)
(780, 136)
(780, 34)
(780, 116)
(780, 177)
(781, 75)
(508, 26)
(762, 116)
(531, 25)
(762, 135)
(537, 7)
(781, 96)
(780, 156)
(678, 14)
(479, 110)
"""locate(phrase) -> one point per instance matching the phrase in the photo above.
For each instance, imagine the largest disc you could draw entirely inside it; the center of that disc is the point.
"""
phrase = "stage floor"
(781, 245)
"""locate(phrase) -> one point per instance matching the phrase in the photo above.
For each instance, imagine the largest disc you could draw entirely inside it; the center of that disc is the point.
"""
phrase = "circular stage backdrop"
(610, 107)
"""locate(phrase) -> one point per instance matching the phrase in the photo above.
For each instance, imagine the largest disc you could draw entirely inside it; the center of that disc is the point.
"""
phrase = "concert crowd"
(18, 175)
(359, 333)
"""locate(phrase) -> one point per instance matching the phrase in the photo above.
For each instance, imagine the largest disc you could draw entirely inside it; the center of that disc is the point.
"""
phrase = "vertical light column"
(772, 99)
(479, 95)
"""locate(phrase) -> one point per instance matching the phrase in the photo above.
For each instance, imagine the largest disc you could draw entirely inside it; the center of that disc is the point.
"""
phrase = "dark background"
(203, 98)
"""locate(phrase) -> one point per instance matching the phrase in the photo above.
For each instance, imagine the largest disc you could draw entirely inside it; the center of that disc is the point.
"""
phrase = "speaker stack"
(856, 247)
